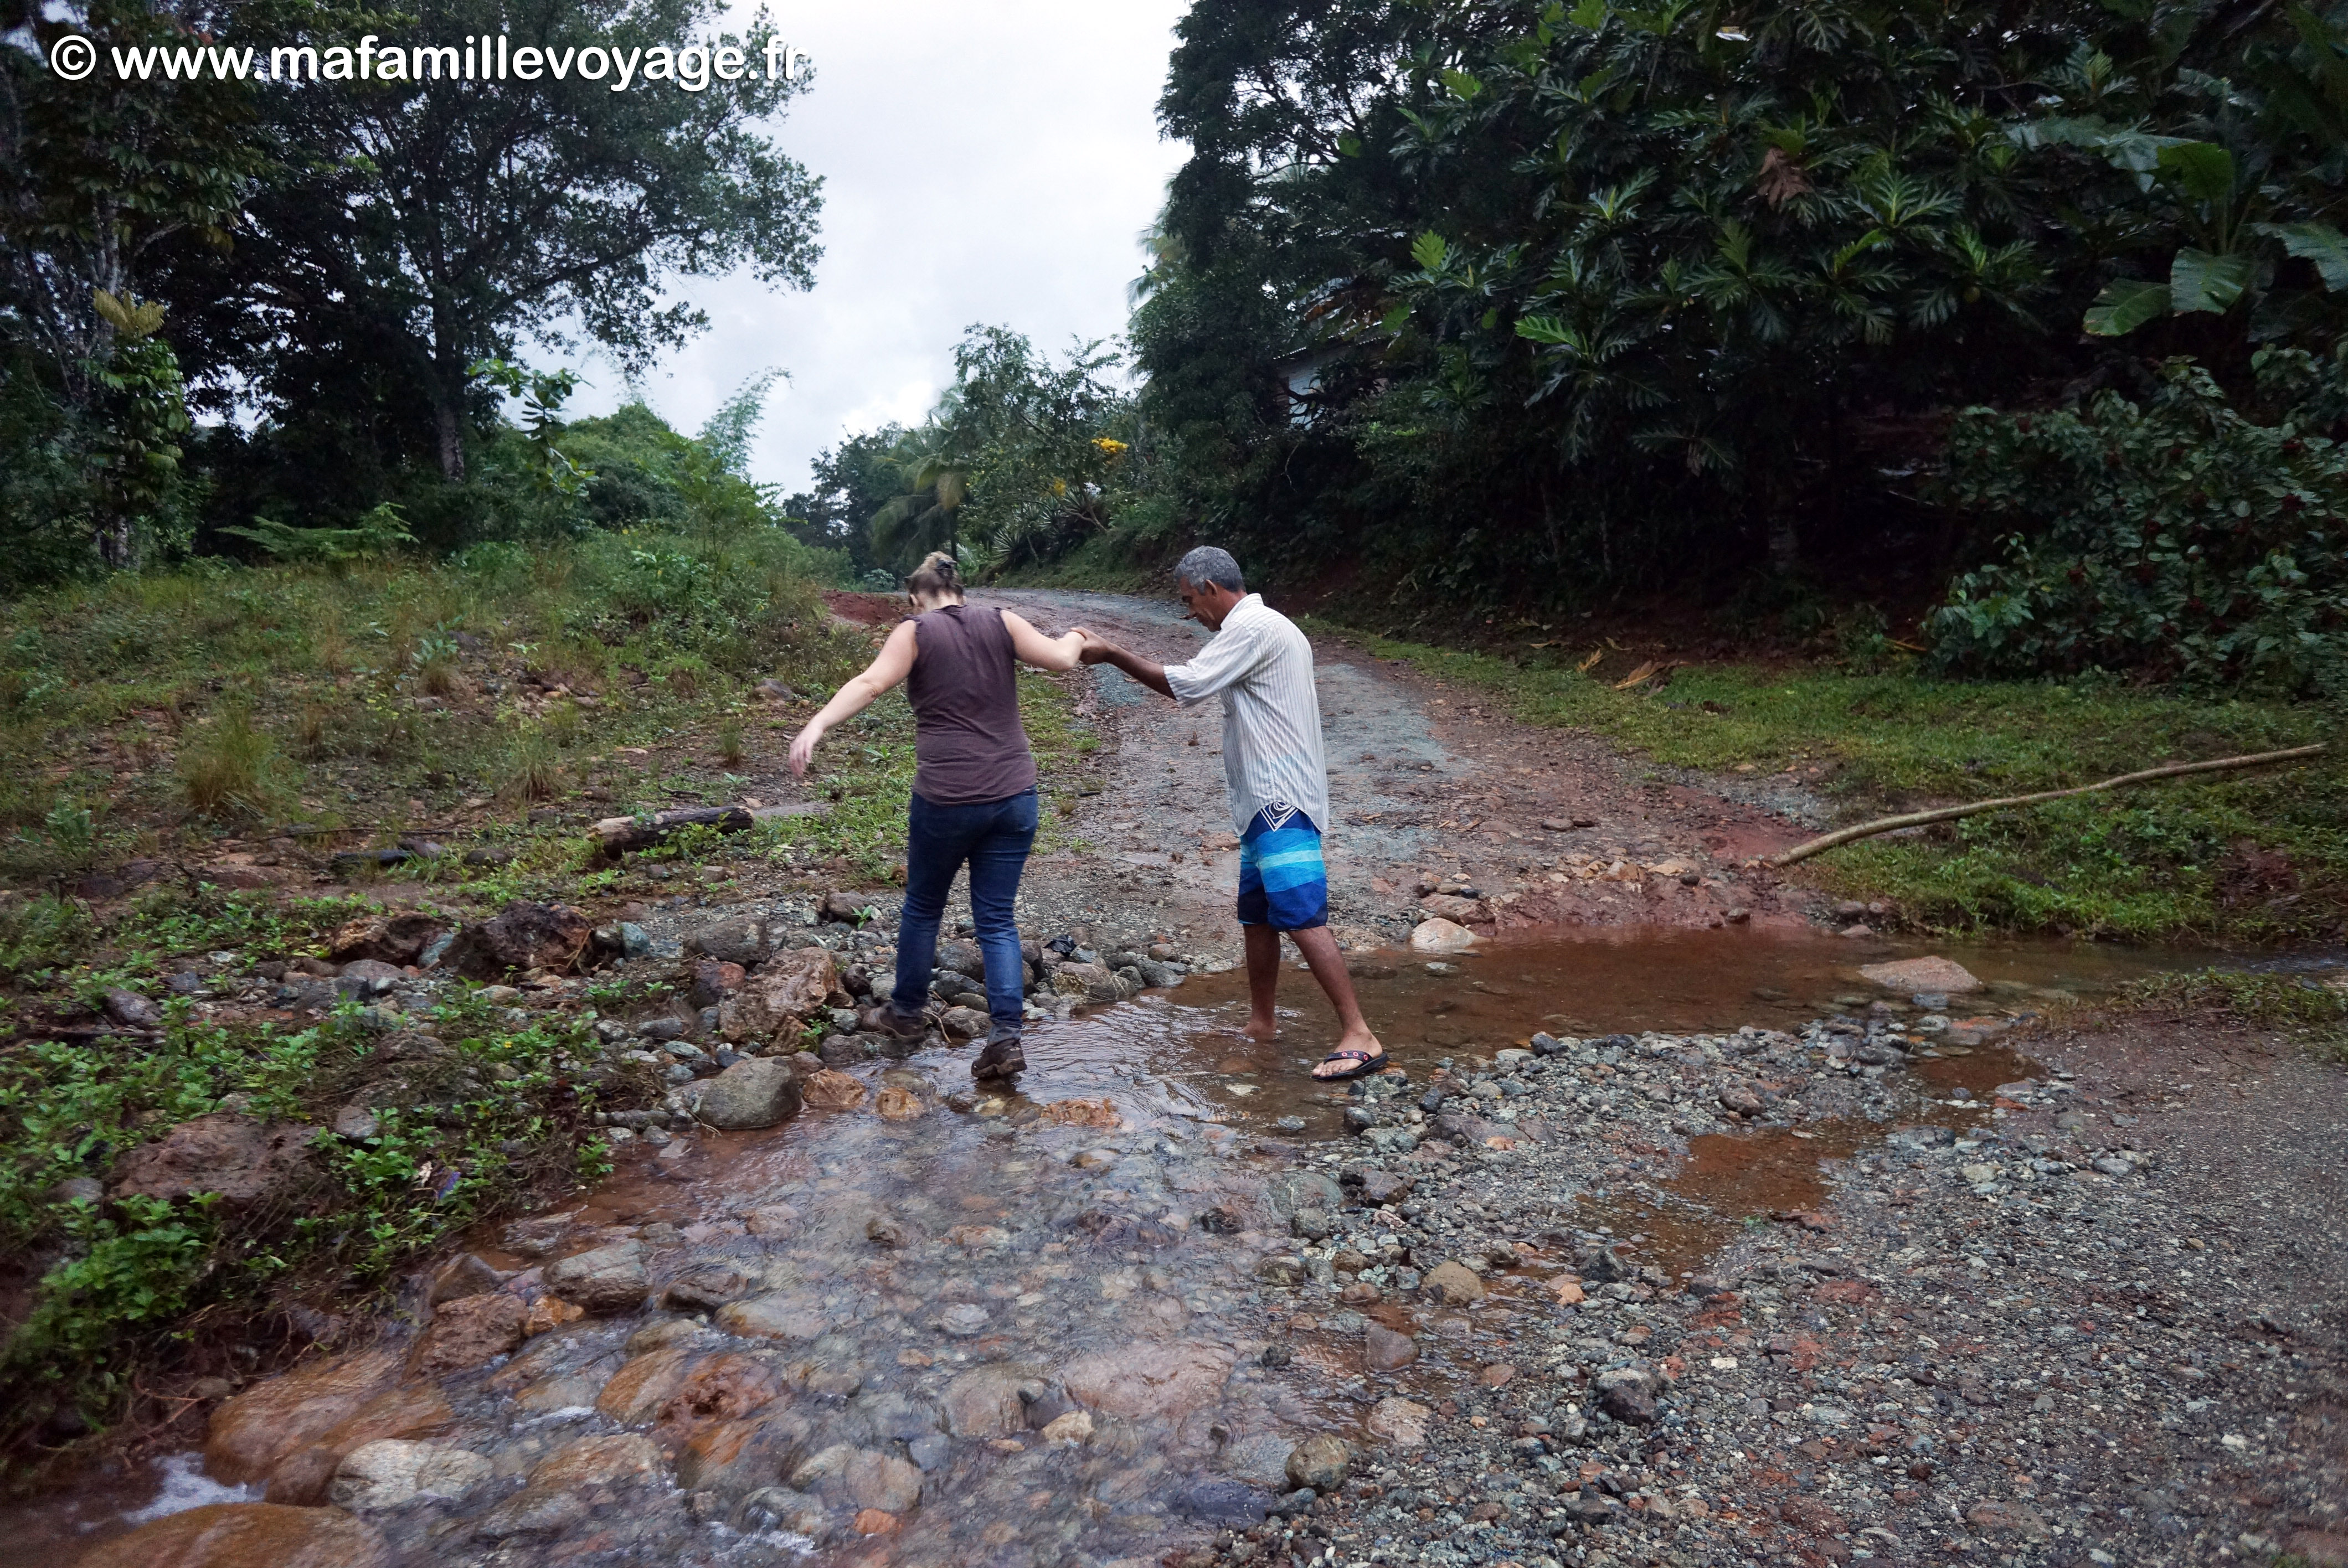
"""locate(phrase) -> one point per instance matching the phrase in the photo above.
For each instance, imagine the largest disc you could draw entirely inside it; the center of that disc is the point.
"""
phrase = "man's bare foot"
(1262, 1028)
(1360, 1040)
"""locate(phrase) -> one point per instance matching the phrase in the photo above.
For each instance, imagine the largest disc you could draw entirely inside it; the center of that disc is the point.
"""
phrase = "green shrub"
(2181, 539)
(229, 767)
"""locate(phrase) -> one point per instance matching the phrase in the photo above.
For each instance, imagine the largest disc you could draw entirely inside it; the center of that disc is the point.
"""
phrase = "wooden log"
(619, 835)
(1951, 813)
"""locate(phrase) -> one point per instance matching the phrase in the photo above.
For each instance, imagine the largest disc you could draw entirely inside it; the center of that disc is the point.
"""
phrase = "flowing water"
(879, 1321)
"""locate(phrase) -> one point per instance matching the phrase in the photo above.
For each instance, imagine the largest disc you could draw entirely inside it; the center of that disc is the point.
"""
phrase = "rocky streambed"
(1877, 1284)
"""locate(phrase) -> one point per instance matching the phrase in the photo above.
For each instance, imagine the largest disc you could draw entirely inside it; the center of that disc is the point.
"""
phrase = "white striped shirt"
(1262, 667)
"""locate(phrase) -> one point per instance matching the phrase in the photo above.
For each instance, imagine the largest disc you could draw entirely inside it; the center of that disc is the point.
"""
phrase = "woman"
(974, 789)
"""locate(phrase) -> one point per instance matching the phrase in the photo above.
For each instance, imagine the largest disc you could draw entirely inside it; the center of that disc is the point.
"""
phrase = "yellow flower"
(1110, 447)
(1059, 486)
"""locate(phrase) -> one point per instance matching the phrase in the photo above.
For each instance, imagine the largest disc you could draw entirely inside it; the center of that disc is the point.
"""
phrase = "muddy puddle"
(1027, 1327)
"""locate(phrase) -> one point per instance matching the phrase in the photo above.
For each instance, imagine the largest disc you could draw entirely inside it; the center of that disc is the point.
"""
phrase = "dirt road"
(1429, 789)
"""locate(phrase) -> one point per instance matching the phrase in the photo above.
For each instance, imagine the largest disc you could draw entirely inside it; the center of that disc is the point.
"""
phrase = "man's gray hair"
(1209, 565)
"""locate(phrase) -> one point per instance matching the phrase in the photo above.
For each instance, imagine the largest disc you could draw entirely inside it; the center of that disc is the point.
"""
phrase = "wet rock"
(1088, 982)
(606, 1280)
(827, 1089)
(1226, 1501)
(1074, 1428)
(250, 1434)
(1441, 935)
(1377, 1187)
(727, 1387)
(755, 1093)
(962, 1319)
(467, 1331)
(706, 1287)
(984, 1401)
(524, 936)
(530, 1512)
(897, 1103)
(386, 1474)
(780, 1507)
(1320, 1462)
(302, 1473)
(741, 1458)
(536, 1236)
(1453, 1284)
(791, 988)
(1261, 1460)
(1627, 1394)
(964, 1023)
(246, 1535)
(1294, 1190)
(739, 940)
(615, 1459)
(876, 1479)
(397, 939)
(1146, 1380)
(1386, 1351)
(1400, 1422)
(1910, 976)
(774, 1317)
(248, 1163)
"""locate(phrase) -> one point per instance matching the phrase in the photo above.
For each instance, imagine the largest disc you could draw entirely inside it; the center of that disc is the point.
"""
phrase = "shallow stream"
(878, 1322)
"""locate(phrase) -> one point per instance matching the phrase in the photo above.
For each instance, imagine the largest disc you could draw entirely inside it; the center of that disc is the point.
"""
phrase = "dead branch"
(1951, 813)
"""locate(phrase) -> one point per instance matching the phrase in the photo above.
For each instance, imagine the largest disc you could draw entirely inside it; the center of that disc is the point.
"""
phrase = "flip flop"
(1365, 1063)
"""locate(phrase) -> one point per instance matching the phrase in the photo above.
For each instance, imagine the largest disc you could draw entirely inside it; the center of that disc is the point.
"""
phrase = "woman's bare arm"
(1044, 652)
(894, 662)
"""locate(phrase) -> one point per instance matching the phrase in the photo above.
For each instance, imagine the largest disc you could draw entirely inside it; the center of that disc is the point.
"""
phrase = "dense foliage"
(1518, 300)
(2181, 536)
(336, 270)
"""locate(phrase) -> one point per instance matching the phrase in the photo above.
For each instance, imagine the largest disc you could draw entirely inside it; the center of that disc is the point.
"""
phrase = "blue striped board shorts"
(1284, 883)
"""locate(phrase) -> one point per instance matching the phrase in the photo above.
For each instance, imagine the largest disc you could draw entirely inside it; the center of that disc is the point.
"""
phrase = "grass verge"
(2260, 857)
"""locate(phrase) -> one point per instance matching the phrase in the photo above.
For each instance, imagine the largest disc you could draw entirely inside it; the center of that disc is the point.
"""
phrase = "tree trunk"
(448, 383)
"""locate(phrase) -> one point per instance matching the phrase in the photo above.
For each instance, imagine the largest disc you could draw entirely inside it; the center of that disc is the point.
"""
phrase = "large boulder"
(1458, 910)
(397, 939)
(607, 1279)
(525, 936)
(1088, 982)
(249, 1163)
(246, 1535)
(758, 1091)
(253, 1431)
(793, 986)
(736, 1457)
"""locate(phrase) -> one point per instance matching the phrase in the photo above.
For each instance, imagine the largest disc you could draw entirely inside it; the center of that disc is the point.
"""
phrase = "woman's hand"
(803, 747)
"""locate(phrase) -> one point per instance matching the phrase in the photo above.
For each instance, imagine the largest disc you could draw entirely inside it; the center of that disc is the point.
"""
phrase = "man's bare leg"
(1320, 951)
(1263, 981)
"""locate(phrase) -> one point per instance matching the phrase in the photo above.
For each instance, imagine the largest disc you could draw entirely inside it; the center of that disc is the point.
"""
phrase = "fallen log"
(1951, 813)
(619, 835)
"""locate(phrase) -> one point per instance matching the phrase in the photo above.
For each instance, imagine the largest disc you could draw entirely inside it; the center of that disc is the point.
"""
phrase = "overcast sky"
(992, 162)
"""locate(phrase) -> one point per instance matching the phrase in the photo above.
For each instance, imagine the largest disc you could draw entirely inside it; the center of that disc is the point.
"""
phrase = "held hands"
(1095, 649)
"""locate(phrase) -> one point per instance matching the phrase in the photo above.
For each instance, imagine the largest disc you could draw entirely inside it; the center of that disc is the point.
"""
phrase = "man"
(1262, 667)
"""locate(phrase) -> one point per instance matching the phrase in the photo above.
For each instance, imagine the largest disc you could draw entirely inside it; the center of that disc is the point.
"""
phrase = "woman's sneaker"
(886, 1020)
(1002, 1057)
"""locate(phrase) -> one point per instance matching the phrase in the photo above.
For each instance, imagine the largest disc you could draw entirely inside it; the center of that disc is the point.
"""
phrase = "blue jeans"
(994, 837)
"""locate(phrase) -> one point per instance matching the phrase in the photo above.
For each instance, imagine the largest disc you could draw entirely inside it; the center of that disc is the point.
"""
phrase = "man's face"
(1205, 603)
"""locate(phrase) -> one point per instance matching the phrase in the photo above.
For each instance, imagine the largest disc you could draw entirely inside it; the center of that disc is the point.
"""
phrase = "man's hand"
(1096, 650)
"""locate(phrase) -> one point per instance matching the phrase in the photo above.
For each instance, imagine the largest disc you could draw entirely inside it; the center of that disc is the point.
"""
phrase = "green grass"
(2314, 1014)
(2188, 860)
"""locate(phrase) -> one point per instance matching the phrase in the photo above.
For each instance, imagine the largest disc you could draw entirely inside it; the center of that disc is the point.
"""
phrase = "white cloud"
(988, 163)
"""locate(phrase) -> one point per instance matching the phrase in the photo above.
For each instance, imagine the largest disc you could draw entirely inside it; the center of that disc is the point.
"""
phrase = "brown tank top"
(969, 744)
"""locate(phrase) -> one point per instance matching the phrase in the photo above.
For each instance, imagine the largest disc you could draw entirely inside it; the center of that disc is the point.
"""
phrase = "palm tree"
(936, 473)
